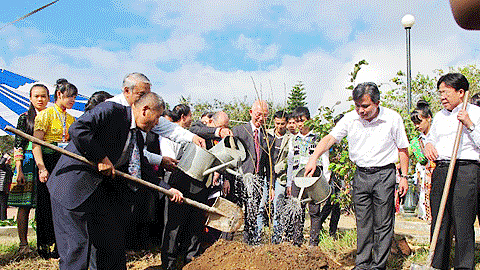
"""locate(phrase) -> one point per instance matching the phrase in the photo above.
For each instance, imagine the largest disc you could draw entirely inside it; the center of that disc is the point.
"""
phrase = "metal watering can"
(195, 161)
(314, 189)
(229, 150)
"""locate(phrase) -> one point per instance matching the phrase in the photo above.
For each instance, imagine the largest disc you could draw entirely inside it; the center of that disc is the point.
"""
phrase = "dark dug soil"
(233, 255)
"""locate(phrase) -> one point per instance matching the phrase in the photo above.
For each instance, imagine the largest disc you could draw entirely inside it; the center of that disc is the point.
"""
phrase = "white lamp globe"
(408, 21)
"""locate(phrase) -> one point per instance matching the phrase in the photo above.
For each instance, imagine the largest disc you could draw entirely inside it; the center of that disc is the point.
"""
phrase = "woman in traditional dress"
(51, 125)
(23, 191)
(422, 119)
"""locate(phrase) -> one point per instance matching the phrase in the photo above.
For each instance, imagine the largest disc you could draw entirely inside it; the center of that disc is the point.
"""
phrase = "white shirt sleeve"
(399, 134)
(172, 131)
(432, 133)
(152, 158)
(168, 148)
(475, 134)
(340, 130)
(325, 165)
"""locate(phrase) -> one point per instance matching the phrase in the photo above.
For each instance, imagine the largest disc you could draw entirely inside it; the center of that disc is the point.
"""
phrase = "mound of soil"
(236, 255)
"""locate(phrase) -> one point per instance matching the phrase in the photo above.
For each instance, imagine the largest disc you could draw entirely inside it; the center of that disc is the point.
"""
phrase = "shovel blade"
(230, 219)
(415, 266)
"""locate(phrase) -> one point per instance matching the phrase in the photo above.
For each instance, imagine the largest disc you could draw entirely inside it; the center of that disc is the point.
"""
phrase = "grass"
(9, 260)
(8, 222)
(5, 249)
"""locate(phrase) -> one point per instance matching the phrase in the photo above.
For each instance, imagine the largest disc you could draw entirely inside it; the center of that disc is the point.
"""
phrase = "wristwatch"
(471, 128)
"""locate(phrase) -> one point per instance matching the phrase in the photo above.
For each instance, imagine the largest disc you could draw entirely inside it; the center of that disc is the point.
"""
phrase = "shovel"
(446, 190)
(227, 216)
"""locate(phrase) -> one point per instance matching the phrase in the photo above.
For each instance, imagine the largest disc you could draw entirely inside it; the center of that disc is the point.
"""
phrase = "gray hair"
(366, 88)
(151, 99)
(133, 78)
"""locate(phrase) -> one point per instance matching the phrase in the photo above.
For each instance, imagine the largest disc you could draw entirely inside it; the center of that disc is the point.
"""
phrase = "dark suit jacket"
(100, 132)
(202, 130)
(245, 134)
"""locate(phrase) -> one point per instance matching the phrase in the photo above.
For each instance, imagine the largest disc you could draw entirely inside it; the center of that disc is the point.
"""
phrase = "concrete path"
(411, 227)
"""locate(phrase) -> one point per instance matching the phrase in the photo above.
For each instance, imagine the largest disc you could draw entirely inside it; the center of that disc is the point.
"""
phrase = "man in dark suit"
(253, 136)
(90, 206)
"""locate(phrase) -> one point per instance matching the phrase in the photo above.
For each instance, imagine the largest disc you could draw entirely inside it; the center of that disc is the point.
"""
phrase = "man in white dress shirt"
(460, 211)
(376, 139)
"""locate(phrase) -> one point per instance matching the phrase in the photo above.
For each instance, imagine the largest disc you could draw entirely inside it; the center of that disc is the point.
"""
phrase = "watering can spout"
(317, 189)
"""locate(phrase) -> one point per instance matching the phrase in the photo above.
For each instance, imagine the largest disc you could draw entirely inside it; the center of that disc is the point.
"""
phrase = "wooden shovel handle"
(446, 188)
(117, 172)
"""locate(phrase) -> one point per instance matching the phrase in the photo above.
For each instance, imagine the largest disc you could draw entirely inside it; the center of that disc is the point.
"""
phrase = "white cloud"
(336, 19)
(205, 83)
(436, 43)
(196, 17)
(14, 44)
(254, 49)
(16, 39)
(176, 48)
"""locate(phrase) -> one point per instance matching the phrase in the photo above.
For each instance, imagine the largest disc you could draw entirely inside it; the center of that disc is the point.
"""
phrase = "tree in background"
(237, 110)
(425, 87)
(356, 68)
(296, 97)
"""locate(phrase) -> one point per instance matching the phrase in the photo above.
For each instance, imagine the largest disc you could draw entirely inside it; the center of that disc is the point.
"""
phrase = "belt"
(375, 169)
(459, 162)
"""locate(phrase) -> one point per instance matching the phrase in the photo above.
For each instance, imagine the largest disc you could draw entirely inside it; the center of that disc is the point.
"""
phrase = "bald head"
(260, 105)
(259, 112)
(220, 120)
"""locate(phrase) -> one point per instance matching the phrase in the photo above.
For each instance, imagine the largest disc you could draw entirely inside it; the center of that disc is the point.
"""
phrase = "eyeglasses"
(260, 114)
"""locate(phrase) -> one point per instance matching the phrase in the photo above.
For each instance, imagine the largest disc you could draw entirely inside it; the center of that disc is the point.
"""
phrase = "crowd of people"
(90, 218)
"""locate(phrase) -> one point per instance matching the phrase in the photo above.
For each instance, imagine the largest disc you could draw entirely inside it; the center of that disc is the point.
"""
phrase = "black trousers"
(373, 199)
(333, 208)
(98, 222)
(184, 226)
(460, 214)
(43, 211)
(3, 205)
(143, 229)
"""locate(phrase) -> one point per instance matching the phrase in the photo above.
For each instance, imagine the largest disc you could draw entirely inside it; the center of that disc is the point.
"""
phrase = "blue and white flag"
(15, 98)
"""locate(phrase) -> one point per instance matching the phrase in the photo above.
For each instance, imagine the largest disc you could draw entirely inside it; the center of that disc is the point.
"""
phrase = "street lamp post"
(407, 22)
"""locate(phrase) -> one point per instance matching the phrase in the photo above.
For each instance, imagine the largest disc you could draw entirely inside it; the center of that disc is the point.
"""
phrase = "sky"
(226, 50)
